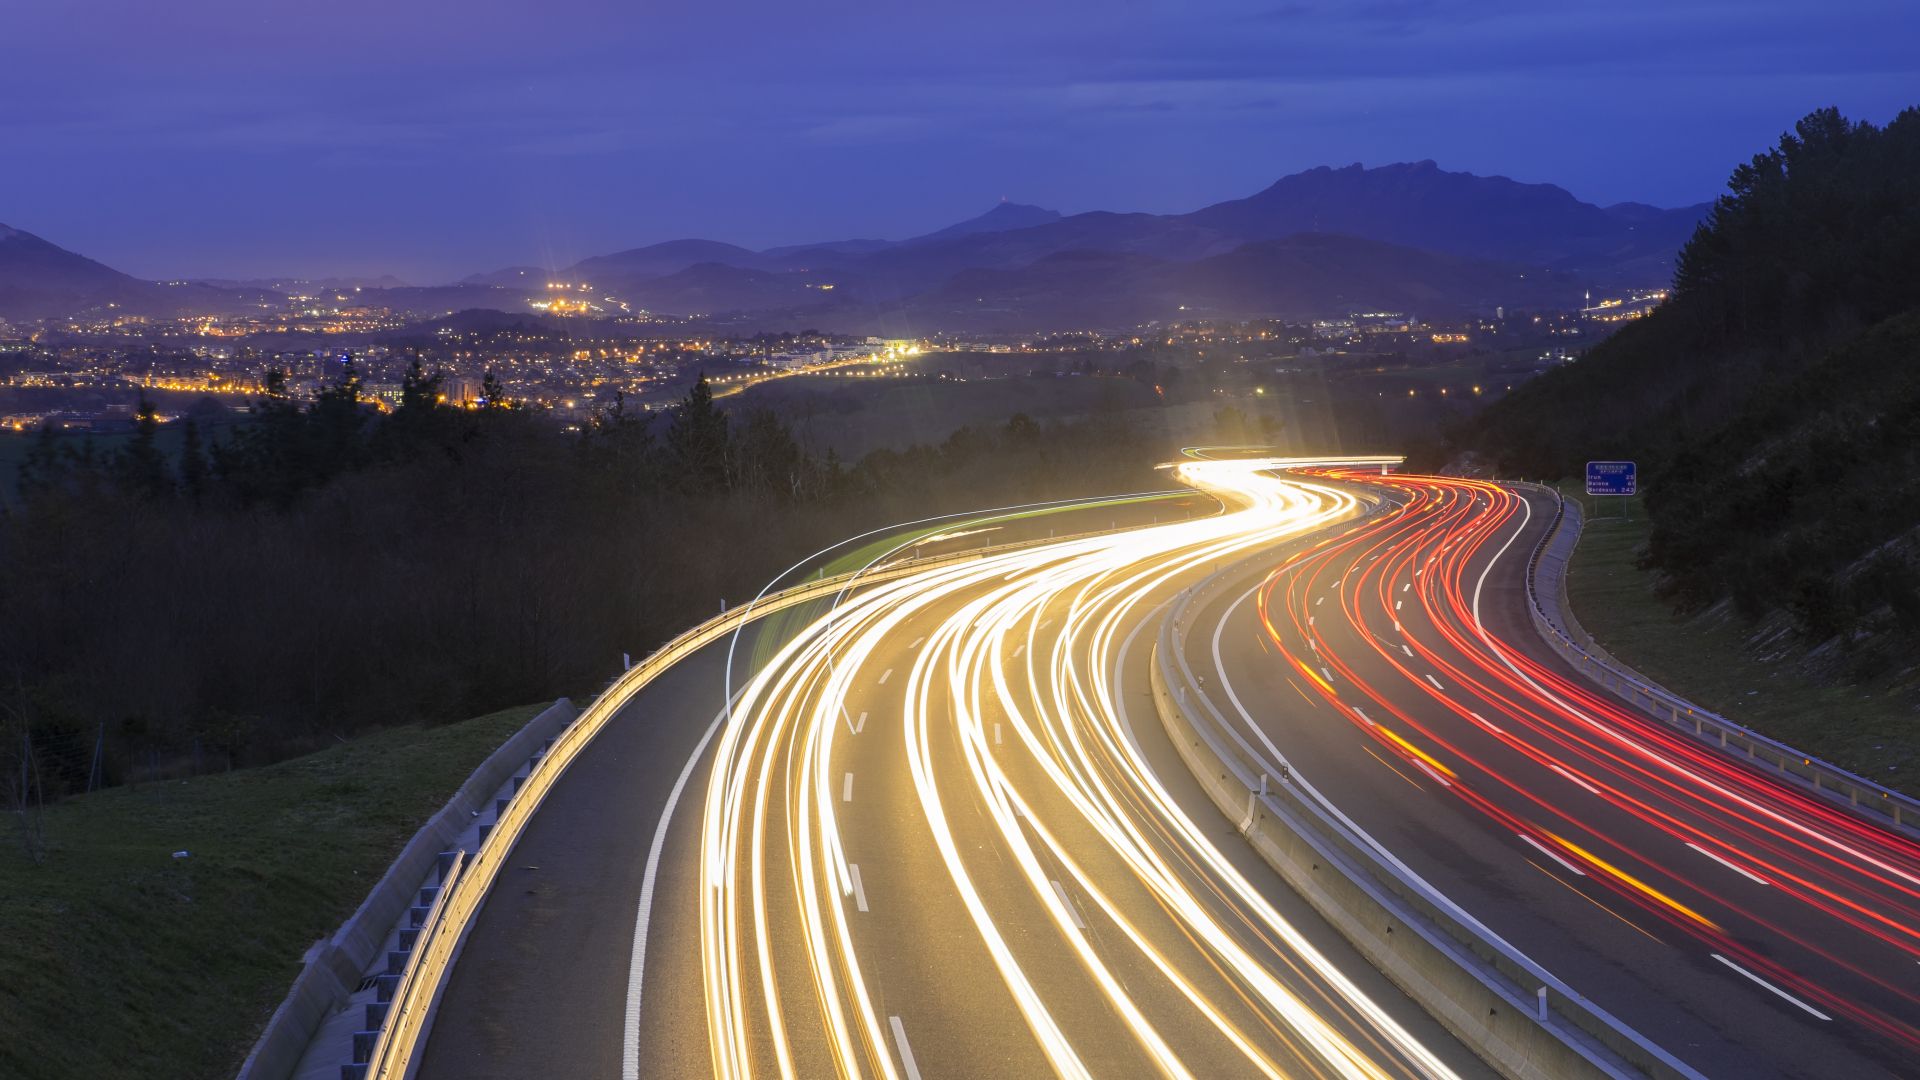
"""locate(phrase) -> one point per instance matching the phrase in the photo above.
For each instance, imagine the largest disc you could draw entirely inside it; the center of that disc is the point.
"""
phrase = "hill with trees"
(1774, 401)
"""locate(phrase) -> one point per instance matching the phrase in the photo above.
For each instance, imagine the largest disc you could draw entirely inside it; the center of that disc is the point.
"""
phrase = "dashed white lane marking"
(1548, 852)
(846, 789)
(1591, 790)
(1407, 586)
(885, 675)
(1396, 627)
(1397, 603)
(1061, 892)
(906, 1052)
(1741, 870)
(1018, 649)
(1435, 773)
(1403, 647)
(859, 890)
(856, 725)
(1320, 601)
(1488, 724)
(1436, 684)
(1044, 623)
(1782, 993)
(1363, 716)
(1327, 673)
(916, 642)
(1309, 620)
(996, 733)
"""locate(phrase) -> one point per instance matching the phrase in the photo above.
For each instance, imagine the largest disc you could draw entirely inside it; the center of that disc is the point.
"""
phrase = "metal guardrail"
(437, 947)
(1879, 804)
(1591, 1037)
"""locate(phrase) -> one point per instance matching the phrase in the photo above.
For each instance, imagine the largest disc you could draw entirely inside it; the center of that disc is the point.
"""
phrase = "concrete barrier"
(1514, 1014)
(1554, 620)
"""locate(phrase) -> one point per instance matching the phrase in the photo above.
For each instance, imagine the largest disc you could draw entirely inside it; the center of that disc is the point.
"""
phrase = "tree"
(492, 394)
(697, 440)
(193, 461)
(140, 468)
(44, 465)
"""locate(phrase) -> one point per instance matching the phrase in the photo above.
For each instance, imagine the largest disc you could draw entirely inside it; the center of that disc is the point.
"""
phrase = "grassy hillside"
(117, 959)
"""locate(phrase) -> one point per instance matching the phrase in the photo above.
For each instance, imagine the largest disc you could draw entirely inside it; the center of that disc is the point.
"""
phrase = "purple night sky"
(432, 138)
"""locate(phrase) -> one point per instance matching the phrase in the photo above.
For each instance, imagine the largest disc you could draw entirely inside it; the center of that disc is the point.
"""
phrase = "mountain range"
(1405, 236)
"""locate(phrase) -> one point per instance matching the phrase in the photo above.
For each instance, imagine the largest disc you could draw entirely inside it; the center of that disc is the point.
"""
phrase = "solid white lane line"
(1436, 684)
(1741, 870)
(906, 1052)
(885, 675)
(637, 963)
(1590, 788)
(859, 890)
(1783, 994)
(1061, 892)
(916, 642)
(846, 789)
(1548, 852)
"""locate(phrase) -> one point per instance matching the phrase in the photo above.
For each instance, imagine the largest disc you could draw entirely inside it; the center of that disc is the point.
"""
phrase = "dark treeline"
(326, 568)
(1774, 402)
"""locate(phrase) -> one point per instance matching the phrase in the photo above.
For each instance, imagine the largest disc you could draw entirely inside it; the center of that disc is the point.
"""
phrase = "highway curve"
(939, 833)
(1748, 927)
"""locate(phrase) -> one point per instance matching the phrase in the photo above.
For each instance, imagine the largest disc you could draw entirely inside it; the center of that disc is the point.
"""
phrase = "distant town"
(87, 374)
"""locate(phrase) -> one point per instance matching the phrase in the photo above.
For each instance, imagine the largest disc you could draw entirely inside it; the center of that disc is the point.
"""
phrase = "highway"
(939, 833)
(1746, 926)
(934, 828)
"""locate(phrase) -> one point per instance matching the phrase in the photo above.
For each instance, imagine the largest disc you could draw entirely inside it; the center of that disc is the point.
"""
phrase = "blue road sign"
(1612, 477)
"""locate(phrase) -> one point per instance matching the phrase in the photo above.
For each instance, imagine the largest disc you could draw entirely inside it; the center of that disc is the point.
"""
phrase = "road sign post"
(1613, 478)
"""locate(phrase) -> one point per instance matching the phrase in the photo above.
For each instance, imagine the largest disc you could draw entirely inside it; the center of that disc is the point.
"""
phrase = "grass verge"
(117, 959)
(1709, 658)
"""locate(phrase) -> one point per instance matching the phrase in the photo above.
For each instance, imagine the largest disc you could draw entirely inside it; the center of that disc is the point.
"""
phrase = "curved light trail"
(1001, 780)
(1787, 890)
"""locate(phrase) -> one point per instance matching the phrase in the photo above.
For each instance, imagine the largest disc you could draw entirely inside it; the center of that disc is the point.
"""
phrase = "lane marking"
(1364, 716)
(1397, 603)
(1557, 880)
(859, 890)
(1429, 770)
(1783, 994)
(1391, 765)
(1044, 623)
(1396, 627)
(846, 789)
(1741, 870)
(1327, 673)
(1018, 649)
(1320, 601)
(1488, 724)
(1407, 586)
(637, 964)
(906, 1052)
(916, 642)
(996, 733)
(1403, 646)
(1436, 684)
(1061, 892)
(885, 675)
(1590, 788)
(857, 725)
(1548, 852)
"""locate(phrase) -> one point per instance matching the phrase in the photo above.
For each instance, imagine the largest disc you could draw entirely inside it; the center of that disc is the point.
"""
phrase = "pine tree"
(697, 440)
(140, 468)
(193, 461)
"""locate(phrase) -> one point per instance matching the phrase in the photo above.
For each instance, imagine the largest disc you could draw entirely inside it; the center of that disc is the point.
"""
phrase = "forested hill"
(1774, 401)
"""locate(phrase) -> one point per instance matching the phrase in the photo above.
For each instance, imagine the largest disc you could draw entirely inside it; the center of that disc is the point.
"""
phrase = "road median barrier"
(1519, 1018)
